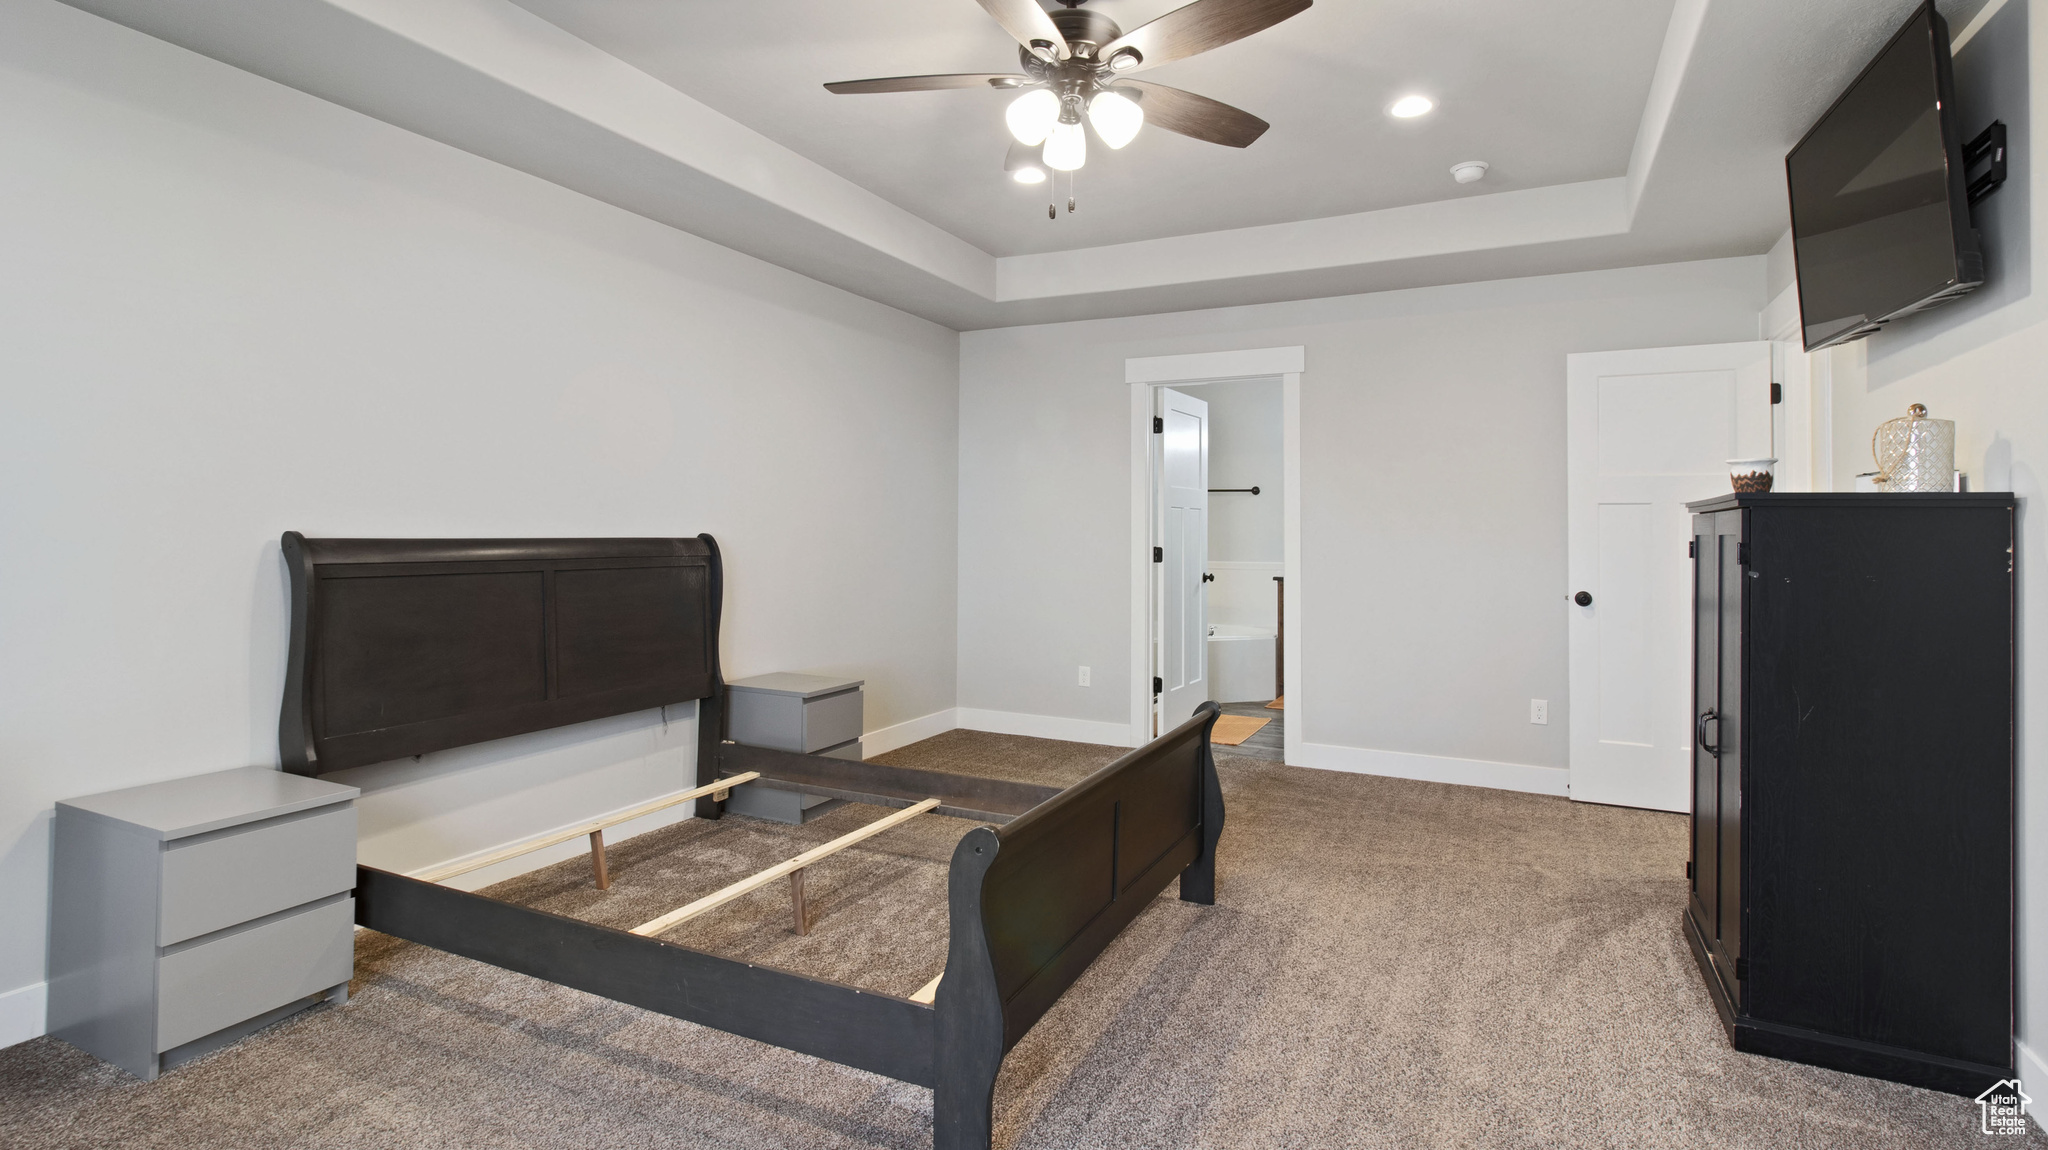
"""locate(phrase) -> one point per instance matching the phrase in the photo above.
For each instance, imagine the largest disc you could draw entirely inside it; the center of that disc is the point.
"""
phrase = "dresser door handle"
(1699, 733)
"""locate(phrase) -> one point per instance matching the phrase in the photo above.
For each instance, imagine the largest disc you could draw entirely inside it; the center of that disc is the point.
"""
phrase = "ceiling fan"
(1076, 61)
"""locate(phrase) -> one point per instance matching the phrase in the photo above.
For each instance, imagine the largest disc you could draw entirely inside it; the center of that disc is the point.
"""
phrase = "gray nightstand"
(809, 714)
(186, 914)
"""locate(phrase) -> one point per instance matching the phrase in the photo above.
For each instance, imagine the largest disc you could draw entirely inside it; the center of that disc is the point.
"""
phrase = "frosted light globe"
(1116, 118)
(1032, 115)
(1066, 148)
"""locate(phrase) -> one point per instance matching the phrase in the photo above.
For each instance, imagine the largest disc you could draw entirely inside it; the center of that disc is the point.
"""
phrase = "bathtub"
(1241, 668)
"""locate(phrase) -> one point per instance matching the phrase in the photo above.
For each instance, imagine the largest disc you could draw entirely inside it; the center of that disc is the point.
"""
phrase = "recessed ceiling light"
(1409, 107)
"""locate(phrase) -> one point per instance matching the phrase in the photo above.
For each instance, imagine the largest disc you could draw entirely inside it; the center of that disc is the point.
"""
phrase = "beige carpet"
(1390, 964)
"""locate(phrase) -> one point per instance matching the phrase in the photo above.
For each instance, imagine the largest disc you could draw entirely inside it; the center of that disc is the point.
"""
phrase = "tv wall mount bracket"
(1988, 148)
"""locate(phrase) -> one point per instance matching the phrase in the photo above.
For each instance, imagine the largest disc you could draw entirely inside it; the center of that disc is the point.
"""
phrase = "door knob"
(1583, 598)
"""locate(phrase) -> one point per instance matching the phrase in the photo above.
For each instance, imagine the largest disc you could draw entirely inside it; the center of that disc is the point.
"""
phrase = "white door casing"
(1143, 375)
(1802, 422)
(1182, 531)
(1646, 432)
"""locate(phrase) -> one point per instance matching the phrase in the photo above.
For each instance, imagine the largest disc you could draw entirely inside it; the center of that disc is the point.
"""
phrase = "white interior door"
(1646, 432)
(1181, 534)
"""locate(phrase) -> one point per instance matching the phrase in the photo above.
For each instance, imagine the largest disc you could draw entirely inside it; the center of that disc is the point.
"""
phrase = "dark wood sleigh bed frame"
(399, 647)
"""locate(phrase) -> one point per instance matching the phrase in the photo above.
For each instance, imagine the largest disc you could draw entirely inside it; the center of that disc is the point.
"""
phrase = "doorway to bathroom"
(1216, 510)
(1243, 561)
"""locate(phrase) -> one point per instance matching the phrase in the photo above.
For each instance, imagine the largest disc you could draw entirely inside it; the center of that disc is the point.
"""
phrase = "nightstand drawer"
(215, 881)
(832, 720)
(222, 981)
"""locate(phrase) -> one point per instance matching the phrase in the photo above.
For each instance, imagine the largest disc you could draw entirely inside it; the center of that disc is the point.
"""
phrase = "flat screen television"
(1880, 215)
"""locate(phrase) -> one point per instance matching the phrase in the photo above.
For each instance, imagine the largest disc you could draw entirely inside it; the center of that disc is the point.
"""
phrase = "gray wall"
(230, 309)
(1433, 488)
(1246, 449)
(1780, 267)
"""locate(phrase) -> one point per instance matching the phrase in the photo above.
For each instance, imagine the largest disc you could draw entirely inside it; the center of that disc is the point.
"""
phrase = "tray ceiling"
(1547, 94)
(1621, 132)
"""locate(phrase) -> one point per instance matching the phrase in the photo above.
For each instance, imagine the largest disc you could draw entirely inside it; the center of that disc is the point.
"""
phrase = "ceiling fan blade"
(929, 83)
(1193, 115)
(1026, 21)
(1198, 27)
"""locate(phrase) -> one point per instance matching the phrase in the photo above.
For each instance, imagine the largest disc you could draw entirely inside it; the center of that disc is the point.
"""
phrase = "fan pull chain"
(1052, 186)
(1071, 177)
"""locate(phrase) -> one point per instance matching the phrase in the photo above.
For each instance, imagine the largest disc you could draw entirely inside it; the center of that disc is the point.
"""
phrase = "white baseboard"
(24, 1013)
(2033, 1080)
(910, 731)
(1046, 727)
(1436, 768)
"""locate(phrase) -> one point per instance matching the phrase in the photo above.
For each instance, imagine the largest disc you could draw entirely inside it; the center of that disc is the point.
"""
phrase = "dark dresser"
(1852, 829)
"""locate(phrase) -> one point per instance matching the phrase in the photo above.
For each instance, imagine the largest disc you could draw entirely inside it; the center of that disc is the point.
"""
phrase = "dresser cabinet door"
(1728, 536)
(1716, 896)
(1705, 902)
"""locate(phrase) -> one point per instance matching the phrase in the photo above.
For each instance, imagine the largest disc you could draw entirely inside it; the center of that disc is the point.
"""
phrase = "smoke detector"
(1471, 171)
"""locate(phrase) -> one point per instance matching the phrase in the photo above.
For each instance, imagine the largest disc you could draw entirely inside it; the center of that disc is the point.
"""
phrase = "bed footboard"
(1035, 901)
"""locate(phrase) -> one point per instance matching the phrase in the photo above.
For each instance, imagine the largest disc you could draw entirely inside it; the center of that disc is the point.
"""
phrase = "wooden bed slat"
(447, 871)
(960, 796)
(756, 882)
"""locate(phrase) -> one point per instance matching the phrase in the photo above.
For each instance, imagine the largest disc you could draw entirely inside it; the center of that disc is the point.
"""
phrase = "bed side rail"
(878, 1032)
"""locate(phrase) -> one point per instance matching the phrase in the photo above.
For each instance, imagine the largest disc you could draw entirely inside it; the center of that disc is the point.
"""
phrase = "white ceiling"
(1544, 95)
(1623, 132)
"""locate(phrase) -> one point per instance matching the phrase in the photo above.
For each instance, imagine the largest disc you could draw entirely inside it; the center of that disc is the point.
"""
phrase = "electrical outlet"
(1539, 711)
(1084, 676)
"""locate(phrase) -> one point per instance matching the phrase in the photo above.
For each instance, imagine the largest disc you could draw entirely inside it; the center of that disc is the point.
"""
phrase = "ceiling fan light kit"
(1075, 59)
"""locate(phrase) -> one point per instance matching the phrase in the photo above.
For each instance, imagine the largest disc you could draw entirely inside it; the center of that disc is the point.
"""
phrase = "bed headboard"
(403, 646)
